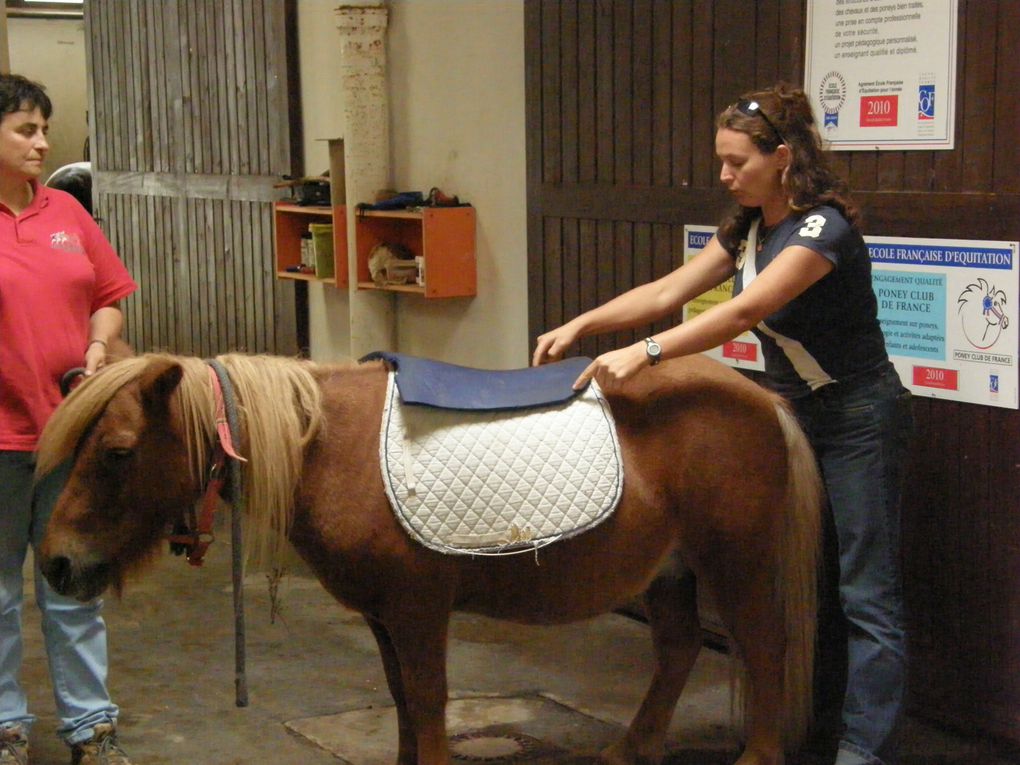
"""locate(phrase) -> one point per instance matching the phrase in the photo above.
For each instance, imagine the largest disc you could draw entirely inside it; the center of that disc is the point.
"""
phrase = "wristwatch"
(654, 351)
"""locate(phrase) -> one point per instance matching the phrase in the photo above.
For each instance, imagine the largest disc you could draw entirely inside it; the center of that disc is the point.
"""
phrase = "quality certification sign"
(881, 74)
(948, 309)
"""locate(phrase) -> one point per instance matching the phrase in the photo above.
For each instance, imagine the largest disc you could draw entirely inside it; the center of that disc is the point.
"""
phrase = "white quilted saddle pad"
(504, 481)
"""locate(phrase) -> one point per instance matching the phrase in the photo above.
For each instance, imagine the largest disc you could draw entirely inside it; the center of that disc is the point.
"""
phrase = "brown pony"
(715, 469)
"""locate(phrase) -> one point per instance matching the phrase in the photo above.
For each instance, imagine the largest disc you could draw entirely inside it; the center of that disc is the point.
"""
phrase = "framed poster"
(948, 309)
(882, 74)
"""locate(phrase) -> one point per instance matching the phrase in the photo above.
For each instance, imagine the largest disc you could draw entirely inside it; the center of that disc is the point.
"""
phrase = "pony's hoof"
(755, 758)
(614, 754)
(622, 754)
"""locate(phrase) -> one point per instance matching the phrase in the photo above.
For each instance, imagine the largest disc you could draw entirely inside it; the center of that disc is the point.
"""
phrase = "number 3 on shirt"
(812, 226)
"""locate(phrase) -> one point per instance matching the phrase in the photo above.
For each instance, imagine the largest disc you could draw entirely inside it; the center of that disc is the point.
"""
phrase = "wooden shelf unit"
(292, 222)
(443, 236)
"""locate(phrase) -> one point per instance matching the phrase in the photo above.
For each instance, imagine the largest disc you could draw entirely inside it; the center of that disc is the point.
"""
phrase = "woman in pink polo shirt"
(60, 283)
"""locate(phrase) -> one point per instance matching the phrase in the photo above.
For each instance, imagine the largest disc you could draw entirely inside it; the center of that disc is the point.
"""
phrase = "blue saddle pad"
(449, 386)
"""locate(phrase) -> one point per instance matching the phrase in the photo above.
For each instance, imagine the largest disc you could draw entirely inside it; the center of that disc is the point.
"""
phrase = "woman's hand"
(95, 356)
(611, 370)
(553, 344)
(104, 327)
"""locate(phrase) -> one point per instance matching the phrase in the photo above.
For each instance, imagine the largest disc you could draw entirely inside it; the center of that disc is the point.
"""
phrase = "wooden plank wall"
(189, 130)
(621, 100)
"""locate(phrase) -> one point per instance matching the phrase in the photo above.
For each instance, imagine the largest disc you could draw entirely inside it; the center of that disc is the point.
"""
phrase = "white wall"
(52, 52)
(322, 116)
(456, 70)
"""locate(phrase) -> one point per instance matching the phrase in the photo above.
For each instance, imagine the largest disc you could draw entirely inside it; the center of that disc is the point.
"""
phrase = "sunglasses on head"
(753, 109)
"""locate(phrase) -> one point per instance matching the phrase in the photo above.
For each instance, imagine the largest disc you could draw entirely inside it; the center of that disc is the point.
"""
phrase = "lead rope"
(236, 539)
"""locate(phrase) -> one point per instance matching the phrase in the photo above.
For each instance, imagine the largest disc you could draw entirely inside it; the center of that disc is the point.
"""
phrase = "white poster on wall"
(881, 74)
(948, 310)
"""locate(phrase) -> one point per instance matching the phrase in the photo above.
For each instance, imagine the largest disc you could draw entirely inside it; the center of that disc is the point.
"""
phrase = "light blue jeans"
(74, 633)
(860, 433)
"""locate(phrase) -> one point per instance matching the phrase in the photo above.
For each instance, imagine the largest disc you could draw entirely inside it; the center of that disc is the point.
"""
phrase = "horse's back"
(697, 403)
(693, 380)
(707, 441)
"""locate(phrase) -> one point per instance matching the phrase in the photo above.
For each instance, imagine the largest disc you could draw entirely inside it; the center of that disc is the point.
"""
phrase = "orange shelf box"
(444, 237)
(292, 223)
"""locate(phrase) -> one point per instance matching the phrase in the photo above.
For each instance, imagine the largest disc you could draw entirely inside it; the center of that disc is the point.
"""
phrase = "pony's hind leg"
(753, 614)
(671, 602)
(407, 752)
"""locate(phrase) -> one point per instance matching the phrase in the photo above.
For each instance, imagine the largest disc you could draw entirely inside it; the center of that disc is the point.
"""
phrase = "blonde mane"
(279, 406)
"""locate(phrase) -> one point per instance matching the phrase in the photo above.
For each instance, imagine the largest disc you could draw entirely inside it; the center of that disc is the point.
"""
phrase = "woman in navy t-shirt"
(802, 284)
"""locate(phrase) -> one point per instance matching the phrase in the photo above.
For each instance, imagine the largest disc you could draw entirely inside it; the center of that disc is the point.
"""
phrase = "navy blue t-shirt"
(830, 332)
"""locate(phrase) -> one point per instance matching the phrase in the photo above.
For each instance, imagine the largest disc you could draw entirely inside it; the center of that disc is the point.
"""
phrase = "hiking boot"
(13, 745)
(101, 749)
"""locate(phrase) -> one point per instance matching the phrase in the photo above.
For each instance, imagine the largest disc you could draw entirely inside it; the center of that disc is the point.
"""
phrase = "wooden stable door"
(621, 97)
(190, 127)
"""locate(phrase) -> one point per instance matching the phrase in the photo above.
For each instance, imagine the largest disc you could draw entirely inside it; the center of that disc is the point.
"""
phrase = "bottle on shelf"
(307, 251)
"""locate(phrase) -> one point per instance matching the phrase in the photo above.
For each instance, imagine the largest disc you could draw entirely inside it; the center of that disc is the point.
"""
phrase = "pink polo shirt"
(56, 270)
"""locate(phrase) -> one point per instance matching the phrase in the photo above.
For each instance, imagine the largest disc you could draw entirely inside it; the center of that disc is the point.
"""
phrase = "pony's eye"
(118, 455)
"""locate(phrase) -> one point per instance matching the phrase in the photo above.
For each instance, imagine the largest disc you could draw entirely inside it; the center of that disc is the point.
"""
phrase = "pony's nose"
(58, 573)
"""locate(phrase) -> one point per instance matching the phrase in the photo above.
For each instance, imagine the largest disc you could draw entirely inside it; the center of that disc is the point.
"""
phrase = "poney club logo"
(982, 310)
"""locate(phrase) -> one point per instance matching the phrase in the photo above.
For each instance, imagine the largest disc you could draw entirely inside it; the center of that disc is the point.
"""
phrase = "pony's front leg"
(419, 642)
(407, 752)
(671, 602)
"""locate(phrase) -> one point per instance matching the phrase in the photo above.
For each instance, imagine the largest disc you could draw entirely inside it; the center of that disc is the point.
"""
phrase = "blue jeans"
(74, 633)
(860, 432)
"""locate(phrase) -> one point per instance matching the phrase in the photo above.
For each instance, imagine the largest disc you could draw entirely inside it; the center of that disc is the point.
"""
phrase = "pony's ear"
(158, 383)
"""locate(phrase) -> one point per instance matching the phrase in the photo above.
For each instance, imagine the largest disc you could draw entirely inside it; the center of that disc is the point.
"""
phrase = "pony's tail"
(798, 572)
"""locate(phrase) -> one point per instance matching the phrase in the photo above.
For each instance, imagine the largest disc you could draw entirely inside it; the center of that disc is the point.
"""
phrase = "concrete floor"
(318, 696)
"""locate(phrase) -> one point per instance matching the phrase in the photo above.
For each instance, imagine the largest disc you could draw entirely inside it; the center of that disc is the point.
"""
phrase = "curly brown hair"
(809, 181)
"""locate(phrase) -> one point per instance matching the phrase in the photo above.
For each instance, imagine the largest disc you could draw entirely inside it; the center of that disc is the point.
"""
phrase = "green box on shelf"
(322, 242)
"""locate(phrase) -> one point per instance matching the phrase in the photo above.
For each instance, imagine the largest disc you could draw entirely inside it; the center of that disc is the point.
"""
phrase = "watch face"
(654, 348)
